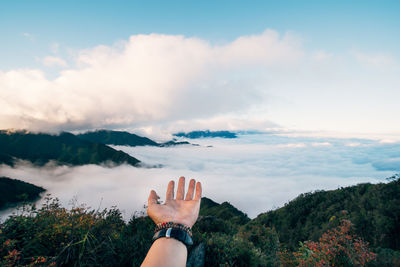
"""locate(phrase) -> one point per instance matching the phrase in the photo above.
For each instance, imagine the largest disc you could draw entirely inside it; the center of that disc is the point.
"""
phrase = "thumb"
(153, 198)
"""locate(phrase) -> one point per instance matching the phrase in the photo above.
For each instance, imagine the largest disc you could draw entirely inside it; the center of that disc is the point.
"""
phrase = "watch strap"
(174, 233)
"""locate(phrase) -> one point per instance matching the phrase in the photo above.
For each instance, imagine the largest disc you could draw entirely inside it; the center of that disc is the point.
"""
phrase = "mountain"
(373, 208)
(64, 148)
(207, 133)
(223, 235)
(117, 138)
(120, 138)
(14, 191)
(174, 143)
(224, 211)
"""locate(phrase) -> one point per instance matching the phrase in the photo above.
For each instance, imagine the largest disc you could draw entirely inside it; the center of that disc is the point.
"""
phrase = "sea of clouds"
(255, 172)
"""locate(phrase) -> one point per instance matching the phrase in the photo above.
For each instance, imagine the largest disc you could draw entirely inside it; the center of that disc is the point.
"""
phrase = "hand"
(179, 210)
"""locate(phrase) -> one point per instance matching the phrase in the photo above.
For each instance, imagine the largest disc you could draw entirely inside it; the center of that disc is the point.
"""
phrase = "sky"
(155, 67)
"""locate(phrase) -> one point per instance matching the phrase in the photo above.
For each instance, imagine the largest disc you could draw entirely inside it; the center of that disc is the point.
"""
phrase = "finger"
(190, 192)
(181, 188)
(198, 191)
(170, 190)
(153, 198)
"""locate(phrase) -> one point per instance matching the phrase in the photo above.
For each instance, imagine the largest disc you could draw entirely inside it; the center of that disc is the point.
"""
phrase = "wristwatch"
(174, 233)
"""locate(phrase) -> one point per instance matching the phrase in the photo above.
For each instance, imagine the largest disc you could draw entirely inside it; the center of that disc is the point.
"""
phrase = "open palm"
(183, 210)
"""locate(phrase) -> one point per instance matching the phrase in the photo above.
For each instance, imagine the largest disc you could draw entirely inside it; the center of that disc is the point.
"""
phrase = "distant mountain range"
(120, 138)
(207, 133)
(116, 138)
(64, 149)
(69, 149)
(86, 148)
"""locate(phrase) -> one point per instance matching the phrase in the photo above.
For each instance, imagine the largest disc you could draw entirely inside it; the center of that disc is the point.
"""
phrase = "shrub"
(337, 247)
(227, 250)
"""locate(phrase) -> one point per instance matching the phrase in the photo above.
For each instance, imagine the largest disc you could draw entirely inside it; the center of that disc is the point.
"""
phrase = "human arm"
(182, 210)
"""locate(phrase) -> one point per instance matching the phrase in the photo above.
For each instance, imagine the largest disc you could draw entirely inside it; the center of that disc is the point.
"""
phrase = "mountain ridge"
(13, 191)
(64, 148)
(123, 138)
(206, 133)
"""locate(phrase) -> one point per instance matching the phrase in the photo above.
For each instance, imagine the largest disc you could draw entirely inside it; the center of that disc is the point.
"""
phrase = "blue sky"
(334, 25)
(321, 66)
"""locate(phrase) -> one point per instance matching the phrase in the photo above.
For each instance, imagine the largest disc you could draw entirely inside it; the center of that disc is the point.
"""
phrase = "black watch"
(174, 233)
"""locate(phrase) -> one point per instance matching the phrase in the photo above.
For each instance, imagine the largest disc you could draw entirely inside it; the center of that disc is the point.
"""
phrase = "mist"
(255, 173)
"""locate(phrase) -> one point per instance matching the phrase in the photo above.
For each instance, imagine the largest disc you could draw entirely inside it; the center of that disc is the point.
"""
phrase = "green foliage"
(15, 191)
(228, 250)
(336, 247)
(231, 239)
(374, 210)
(224, 211)
(74, 237)
(264, 238)
(386, 257)
(83, 237)
(65, 148)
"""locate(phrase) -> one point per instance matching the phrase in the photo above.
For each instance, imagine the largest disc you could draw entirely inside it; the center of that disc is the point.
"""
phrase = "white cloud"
(235, 122)
(264, 49)
(254, 172)
(28, 35)
(323, 144)
(146, 80)
(50, 61)
(321, 55)
(375, 60)
(172, 82)
(353, 144)
(388, 141)
(298, 145)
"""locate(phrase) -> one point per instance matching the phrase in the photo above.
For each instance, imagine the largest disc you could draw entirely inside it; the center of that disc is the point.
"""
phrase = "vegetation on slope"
(55, 235)
(224, 211)
(64, 148)
(15, 191)
(373, 208)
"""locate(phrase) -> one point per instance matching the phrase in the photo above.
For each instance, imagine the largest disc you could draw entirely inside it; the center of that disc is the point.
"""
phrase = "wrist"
(174, 233)
(171, 224)
(175, 220)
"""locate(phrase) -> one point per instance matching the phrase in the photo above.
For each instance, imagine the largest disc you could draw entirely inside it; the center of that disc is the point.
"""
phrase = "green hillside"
(224, 211)
(374, 210)
(324, 228)
(64, 148)
(15, 191)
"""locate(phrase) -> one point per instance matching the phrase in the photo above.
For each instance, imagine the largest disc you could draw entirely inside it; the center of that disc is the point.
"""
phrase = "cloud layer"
(145, 80)
(163, 83)
(256, 173)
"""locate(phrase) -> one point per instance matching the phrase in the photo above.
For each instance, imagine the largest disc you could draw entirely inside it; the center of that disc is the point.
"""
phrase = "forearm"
(166, 252)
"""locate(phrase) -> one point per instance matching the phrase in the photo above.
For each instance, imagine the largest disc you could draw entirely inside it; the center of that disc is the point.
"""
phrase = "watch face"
(168, 233)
